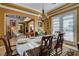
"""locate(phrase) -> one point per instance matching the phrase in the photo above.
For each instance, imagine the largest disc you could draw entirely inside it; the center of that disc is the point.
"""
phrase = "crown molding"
(62, 9)
(11, 5)
(10, 8)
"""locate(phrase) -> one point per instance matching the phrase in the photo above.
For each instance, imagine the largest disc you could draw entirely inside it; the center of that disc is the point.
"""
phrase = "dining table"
(24, 44)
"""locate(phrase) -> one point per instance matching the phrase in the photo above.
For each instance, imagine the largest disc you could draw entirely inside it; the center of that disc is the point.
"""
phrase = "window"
(68, 27)
(55, 25)
(66, 23)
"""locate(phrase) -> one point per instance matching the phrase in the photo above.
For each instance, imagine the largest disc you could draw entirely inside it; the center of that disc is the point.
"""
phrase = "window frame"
(74, 27)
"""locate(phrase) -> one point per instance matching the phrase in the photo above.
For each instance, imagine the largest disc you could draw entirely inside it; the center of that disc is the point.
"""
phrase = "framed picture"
(39, 22)
(12, 23)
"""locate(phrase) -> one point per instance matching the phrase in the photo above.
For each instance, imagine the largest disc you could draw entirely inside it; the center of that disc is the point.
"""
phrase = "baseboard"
(70, 46)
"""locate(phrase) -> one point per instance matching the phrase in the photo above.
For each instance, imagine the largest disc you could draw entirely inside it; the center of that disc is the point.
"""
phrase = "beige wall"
(1, 21)
(36, 24)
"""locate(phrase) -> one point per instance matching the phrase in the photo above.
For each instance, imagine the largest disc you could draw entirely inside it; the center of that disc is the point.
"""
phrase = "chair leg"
(56, 52)
(49, 53)
(61, 49)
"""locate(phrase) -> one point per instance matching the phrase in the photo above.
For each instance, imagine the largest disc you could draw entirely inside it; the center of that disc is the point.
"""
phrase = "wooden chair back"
(6, 44)
(46, 45)
(32, 34)
(59, 42)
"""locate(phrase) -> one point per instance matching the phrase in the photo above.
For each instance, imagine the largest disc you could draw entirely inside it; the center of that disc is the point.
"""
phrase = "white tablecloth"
(30, 44)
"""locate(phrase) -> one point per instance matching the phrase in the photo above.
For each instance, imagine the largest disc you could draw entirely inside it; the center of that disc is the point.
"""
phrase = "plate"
(22, 41)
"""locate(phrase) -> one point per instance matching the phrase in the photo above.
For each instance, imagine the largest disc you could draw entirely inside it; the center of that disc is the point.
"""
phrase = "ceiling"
(38, 6)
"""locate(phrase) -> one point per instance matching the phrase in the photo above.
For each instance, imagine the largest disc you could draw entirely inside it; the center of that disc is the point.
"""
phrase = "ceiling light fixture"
(44, 16)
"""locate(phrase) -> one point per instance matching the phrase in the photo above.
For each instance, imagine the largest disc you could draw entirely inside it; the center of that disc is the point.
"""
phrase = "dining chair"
(32, 34)
(57, 50)
(9, 40)
(46, 45)
(9, 51)
(6, 44)
(12, 46)
(36, 33)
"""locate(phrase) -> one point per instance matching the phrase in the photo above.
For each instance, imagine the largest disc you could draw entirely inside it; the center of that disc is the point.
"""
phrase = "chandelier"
(43, 16)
